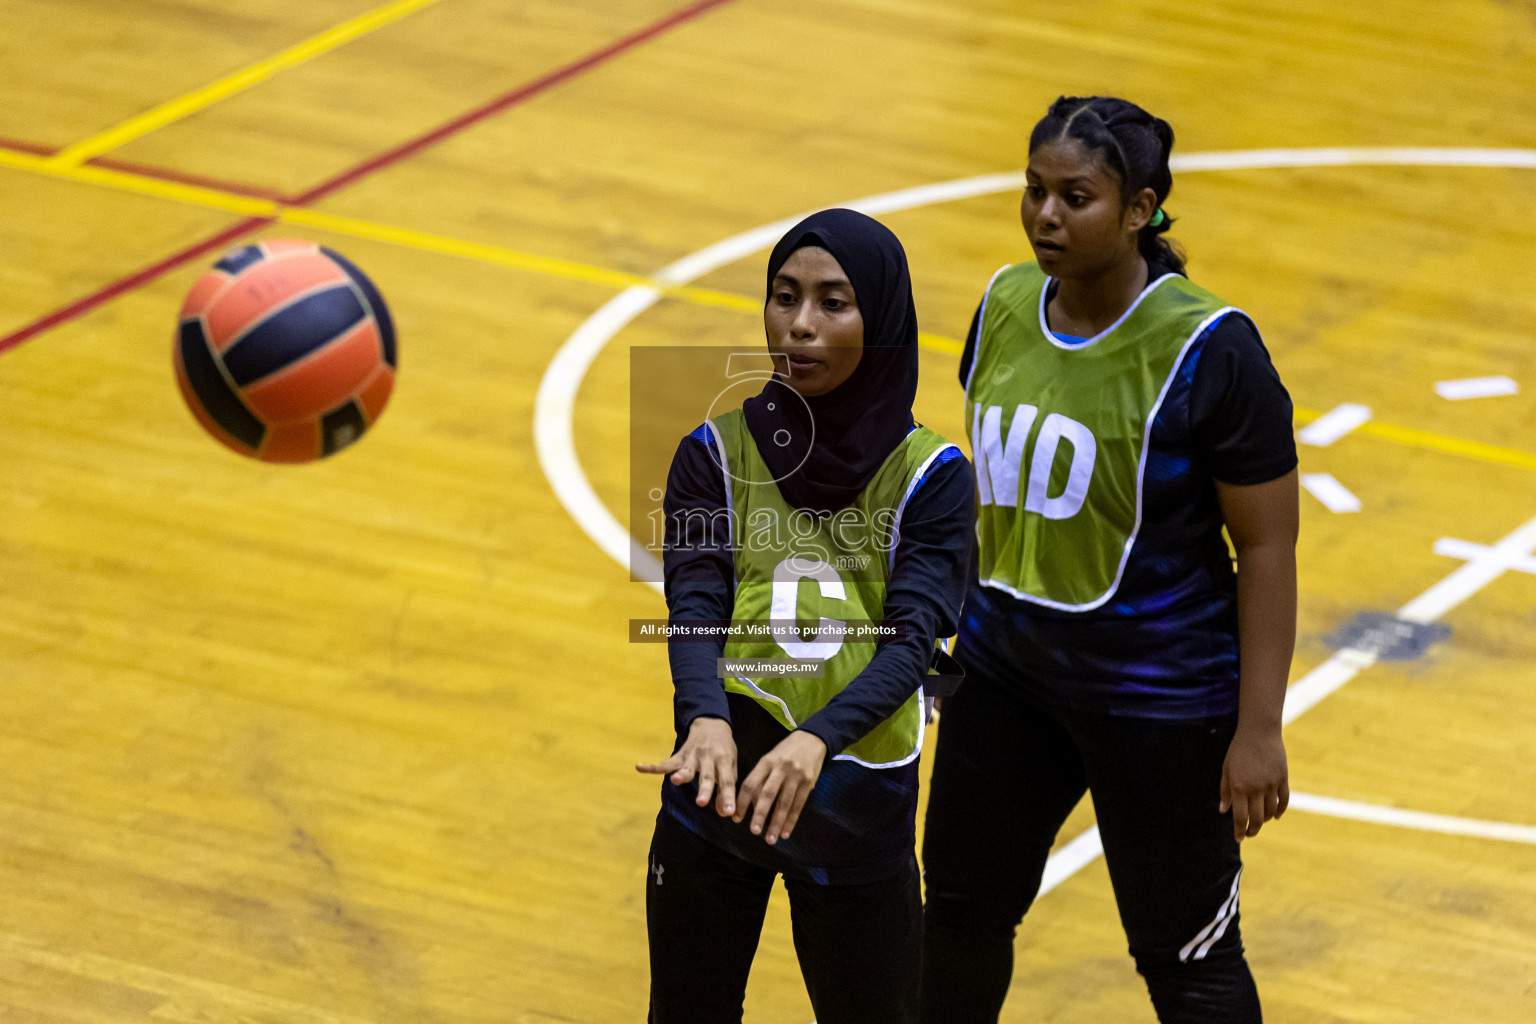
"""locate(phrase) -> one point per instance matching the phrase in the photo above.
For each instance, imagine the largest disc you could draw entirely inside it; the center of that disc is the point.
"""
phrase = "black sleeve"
(700, 577)
(926, 588)
(1239, 413)
(969, 355)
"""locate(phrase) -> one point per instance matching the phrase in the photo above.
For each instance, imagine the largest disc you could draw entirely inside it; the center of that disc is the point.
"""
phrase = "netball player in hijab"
(1120, 416)
(841, 509)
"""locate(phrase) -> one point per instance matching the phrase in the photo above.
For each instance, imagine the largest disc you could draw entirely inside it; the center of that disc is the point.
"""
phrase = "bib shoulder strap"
(1012, 295)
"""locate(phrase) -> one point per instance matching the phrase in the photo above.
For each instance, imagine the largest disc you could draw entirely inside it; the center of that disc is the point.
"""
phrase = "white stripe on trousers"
(1212, 933)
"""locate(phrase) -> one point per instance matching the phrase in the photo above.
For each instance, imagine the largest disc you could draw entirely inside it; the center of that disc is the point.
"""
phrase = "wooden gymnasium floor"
(352, 742)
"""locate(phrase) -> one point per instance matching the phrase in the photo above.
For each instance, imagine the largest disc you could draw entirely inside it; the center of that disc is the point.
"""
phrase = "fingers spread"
(706, 781)
(685, 773)
(671, 764)
(765, 801)
(781, 809)
(725, 801)
(749, 791)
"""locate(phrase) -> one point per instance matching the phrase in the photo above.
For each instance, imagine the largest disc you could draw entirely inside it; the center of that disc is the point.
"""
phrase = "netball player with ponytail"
(1120, 416)
(827, 502)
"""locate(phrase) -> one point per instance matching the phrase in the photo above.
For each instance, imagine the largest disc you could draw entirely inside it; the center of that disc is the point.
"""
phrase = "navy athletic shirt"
(858, 825)
(1166, 644)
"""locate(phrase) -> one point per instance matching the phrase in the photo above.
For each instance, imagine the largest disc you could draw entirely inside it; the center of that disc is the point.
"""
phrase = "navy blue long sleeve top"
(848, 844)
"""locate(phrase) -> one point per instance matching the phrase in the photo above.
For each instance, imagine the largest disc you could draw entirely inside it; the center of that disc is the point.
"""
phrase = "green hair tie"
(1158, 219)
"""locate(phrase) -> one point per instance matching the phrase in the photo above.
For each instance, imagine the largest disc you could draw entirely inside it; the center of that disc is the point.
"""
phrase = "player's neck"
(1088, 306)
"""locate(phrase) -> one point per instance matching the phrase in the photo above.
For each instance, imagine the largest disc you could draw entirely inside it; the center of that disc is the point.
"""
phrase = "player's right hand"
(709, 755)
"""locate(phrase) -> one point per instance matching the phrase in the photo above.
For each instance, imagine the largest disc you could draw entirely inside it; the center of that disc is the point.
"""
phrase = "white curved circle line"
(555, 403)
(554, 411)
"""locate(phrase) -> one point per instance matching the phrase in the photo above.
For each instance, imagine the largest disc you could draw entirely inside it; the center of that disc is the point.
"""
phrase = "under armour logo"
(658, 869)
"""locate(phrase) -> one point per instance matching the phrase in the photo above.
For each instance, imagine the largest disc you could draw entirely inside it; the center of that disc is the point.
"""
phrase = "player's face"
(813, 322)
(1073, 214)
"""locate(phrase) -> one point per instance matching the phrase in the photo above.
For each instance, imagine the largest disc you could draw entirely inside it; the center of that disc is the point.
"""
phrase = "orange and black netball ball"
(285, 351)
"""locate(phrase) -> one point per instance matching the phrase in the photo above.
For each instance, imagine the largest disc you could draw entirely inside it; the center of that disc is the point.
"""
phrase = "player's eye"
(784, 297)
(1034, 192)
(834, 304)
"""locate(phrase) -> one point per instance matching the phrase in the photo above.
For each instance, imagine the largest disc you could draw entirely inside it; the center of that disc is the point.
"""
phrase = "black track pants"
(1007, 772)
(859, 945)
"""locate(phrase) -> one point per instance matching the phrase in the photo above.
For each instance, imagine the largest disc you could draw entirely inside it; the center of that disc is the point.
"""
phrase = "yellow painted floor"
(351, 742)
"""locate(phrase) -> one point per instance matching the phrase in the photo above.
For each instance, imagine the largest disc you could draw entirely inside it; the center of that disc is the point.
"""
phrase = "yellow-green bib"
(1059, 434)
(822, 572)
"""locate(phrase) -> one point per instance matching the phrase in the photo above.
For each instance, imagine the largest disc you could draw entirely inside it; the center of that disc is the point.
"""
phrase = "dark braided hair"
(1132, 143)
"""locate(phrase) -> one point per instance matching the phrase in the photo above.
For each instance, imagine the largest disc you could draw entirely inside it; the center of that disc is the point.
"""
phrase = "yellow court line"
(569, 269)
(174, 110)
(939, 343)
(1437, 442)
(549, 266)
(138, 183)
(574, 271)
(718, 300)
(743, 304)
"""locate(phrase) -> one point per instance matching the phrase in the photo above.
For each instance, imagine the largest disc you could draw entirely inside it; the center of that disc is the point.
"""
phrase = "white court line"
(554, 416)
(1334, 495)
(1082, 850)
(1399, 818)
(1362, 156)
(555, 403)
(1334, 424)
(1476, 387)
(1467, 551)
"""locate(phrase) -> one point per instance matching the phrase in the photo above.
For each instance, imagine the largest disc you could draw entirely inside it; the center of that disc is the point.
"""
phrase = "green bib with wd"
(793, 567)
(1059, 433)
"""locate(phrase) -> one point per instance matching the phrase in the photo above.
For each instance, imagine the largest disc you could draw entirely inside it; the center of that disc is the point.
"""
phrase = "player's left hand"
(784, 777)
(1255, 782)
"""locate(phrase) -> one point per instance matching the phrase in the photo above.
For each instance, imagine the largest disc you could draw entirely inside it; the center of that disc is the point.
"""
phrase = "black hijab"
(860, 422)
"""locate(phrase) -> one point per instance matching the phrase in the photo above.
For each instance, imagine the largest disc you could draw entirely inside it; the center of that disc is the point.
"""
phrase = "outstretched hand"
(1255, 782)
(781, 783)
(709, 755)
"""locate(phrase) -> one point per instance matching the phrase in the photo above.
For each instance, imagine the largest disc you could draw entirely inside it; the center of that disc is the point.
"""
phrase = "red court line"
(27, 147)
(367, 167)
(159, 173)
(116, 288)
(510, 99)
